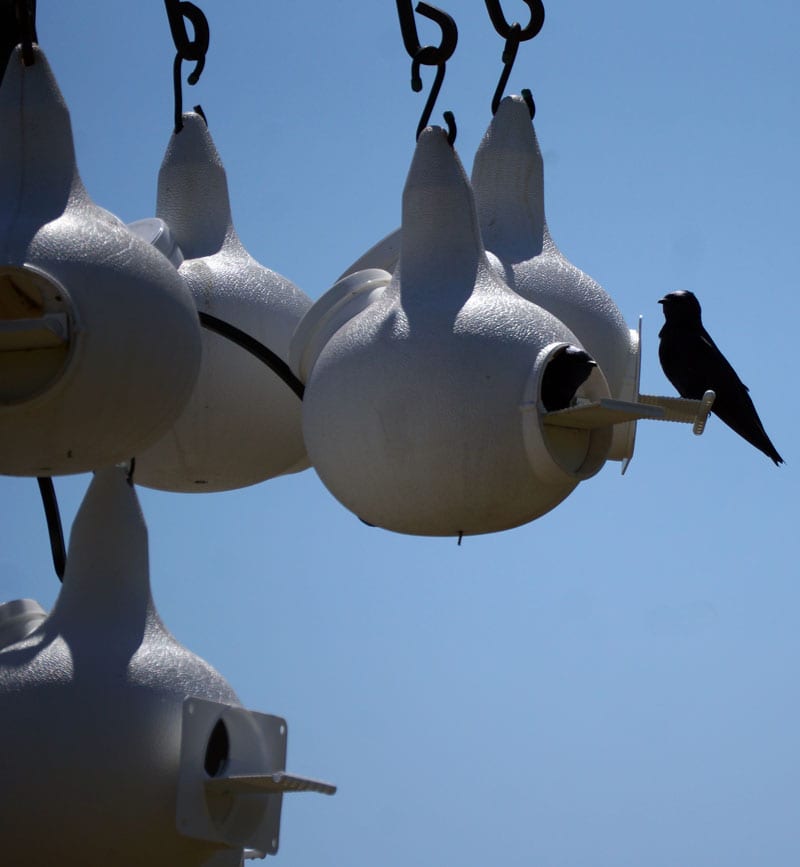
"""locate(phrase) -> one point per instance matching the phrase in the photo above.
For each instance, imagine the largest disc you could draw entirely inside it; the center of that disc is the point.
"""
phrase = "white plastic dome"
(508, 182)
(93, 700)
(419, 410)
(127, 747)
(242, 424)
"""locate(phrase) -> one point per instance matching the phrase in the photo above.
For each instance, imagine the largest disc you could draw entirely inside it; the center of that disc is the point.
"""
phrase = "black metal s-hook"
(192, 50)
(514, 34)
(17, 27)
(502, 26)
(428, 55)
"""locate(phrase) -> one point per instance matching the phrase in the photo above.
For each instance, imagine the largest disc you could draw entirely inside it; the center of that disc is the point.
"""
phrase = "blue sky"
(614, 684)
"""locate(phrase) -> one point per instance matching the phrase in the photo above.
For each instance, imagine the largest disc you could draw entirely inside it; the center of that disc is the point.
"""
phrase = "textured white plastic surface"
(117, 369)
(344, 300)
(157, 233)
(508, 184)
(412, 409)
(110, 720)
(18, 619)
(93, 702)
(242, 422)
(383, 255)
(508, 180)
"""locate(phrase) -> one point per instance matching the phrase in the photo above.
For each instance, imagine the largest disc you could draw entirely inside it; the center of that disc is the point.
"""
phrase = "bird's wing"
(717, 364)
(684, 358)
(693, 363)
(733, 403)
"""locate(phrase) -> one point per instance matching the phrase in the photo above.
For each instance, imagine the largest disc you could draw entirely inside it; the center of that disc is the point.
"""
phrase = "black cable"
(274, 362)
(54, 529)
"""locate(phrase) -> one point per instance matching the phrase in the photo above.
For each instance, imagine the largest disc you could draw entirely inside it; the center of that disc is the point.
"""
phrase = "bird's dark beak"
(662, 300)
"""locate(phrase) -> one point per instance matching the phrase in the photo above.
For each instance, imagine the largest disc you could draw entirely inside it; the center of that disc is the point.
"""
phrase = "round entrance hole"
(35, 333)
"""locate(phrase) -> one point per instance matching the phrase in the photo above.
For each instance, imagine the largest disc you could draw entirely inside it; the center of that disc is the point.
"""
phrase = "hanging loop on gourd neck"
(193, 50)
(429, 55)
(514, 34)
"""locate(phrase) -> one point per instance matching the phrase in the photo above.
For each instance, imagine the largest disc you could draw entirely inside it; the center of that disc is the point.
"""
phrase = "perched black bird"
(693, 364)
(566, 371)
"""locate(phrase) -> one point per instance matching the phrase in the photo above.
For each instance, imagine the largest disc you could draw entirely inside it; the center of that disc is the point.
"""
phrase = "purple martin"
(693, 364)
(566, 371)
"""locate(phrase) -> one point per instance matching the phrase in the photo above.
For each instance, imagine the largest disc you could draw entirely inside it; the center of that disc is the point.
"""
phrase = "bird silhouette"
(693, 364)
(566, 371)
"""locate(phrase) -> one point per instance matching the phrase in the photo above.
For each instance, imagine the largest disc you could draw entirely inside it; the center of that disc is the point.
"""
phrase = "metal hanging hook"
(514, 34)
(17, 27)
(428, 55)
(193, 50)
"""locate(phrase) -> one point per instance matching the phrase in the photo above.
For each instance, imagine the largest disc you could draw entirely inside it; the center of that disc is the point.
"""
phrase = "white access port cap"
(18, 619)
(157, 233)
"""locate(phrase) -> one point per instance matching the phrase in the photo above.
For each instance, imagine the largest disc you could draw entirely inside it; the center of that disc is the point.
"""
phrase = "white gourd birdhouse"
(99, 338)
(127, 747)
(508, 185)
(242, 423)
(422, 409)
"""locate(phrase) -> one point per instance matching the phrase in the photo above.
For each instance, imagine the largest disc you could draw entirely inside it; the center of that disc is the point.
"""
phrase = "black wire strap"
(429, 55)
(192, 50)
(212, 323)
(54, 529)
(513, 35)
(274, 362)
